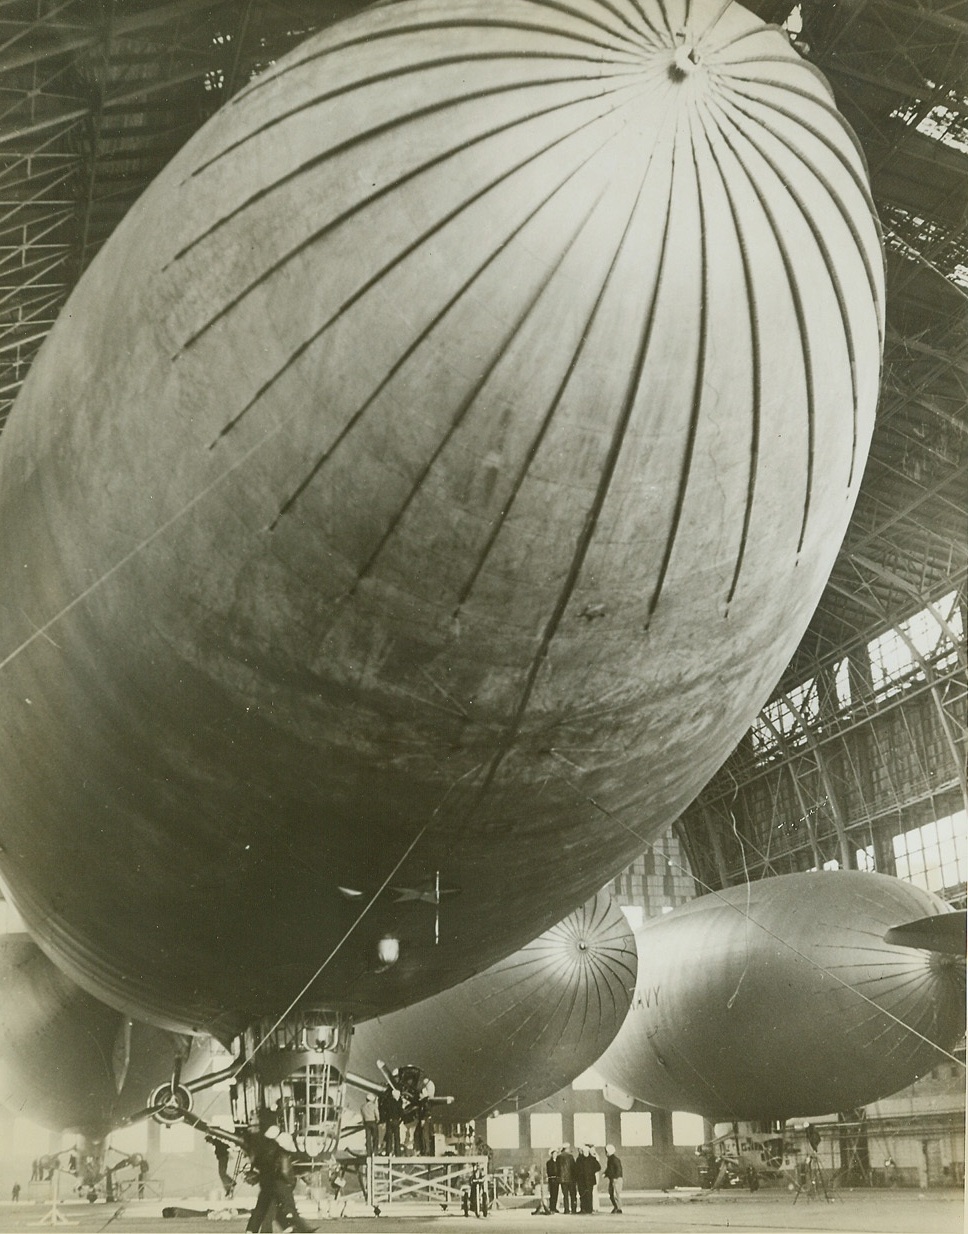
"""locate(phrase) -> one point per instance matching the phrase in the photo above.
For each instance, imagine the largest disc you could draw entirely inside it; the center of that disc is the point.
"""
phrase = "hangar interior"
(859, 759)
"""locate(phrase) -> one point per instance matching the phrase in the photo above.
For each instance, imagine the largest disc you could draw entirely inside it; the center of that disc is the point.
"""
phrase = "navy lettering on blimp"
(646, 998)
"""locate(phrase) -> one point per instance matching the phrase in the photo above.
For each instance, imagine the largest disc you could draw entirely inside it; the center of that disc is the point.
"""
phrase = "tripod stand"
(810, 1179)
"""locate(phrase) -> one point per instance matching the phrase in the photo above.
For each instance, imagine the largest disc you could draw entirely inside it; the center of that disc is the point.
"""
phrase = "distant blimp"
(425, 485)
(526, 1026)
(797, 995)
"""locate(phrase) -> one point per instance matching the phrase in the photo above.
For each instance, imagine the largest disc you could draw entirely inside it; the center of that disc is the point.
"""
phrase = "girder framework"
(870, 746)
(95, 97)
(864, 739)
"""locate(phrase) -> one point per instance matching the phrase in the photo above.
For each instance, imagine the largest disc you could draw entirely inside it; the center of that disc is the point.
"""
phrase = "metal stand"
(813, 1181)
(54, 1216)
(853, 1138)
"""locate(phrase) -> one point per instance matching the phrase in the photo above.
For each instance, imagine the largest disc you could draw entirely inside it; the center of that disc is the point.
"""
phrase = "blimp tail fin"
(945, 932)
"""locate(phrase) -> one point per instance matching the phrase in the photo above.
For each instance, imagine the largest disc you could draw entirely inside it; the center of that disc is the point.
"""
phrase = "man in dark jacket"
(391, 1114)
(262, 1151)
(586, 1175)
(566, 1180)
(285, 1179)
(551, 1172)
(613, 1172)
(271, 1155)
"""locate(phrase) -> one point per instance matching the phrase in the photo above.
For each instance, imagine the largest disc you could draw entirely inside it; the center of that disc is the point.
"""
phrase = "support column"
(884, 860)
(613, 1126)
(153, 1150)
(524, 1130)
(663, 1150)
(830, 788)
(713, 832)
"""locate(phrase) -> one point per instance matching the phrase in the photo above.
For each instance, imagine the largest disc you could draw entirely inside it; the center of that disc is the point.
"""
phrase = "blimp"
(433, 473)
(795, 995)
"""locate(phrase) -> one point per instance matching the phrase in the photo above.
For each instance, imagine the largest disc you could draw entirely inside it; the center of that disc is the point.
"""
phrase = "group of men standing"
(404, 1102)
(575, 1178)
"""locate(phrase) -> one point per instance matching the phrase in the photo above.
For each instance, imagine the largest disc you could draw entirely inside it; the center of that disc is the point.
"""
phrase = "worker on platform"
(423, 1125)
(370, 1114)
(391, 1112)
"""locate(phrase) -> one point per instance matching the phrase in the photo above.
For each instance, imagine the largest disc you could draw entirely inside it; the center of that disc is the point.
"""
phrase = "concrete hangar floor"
(855, 1211)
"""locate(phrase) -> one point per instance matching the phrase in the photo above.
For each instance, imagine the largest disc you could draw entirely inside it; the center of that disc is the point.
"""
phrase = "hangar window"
(782, 719)
(896, 655)
(546, 1131)
(502, 1131)
(805, 700)
(934, 856)
(943, 122)
(774, 722)
(636, 1129)
(842, 683)
(177, 1138)
(865, 858)
(589, 1128)
(687, 1130)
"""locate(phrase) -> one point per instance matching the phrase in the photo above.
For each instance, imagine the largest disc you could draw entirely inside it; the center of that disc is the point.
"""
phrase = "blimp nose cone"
(685, 60)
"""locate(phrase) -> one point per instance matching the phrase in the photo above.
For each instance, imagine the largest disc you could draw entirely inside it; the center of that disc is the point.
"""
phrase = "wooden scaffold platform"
(442, 1181)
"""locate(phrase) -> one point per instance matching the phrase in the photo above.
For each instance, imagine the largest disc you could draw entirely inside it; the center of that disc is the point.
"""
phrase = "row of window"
(895, 658)
(548, 1131)
(934, 856)
(503, 1131)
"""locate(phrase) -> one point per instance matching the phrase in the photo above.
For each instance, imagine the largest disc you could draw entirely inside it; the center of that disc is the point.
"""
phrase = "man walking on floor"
(613, 1172)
